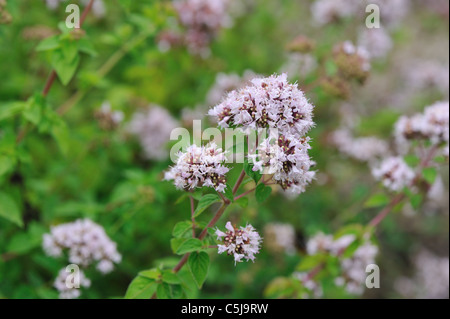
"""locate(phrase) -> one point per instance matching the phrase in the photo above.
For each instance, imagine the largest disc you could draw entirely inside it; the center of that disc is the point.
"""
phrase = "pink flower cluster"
(199, 166)
(242, 243)
(266, 103)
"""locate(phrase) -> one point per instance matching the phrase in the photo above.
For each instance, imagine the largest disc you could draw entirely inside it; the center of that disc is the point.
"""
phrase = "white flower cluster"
(392, 12)
(275, 104)
(242, 243)
(364, 149)
(428, 74)
(199, 166)
(329, 11)
(266, 103)
(326, 243)
(203, 19)
(153, 128)
(287, 160)
(87, 243)
(431, 279)
(280, 237)
(354, 268)
(377, 42)
(107, 118)
(98, 8)
(226, 83)
(394, 173)
(432, 125)
(314, 289)
(62, 286)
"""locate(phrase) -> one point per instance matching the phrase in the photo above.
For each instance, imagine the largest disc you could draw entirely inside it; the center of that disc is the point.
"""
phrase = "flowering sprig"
(268, 103)
(287, 160)
(199, 166)
(242, 243)
(86, 243)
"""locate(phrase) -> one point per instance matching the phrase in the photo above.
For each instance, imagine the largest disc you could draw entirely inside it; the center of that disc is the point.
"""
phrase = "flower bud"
(301, 44)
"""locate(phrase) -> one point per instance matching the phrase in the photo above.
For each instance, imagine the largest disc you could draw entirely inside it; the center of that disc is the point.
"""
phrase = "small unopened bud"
(352, 62)
(5, 17)
(301, 44)
(77, 33)
(336, 87)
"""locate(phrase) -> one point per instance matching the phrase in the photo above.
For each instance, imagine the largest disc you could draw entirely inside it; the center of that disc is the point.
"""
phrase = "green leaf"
(430, 174)
(412, 160)
(62, 137)
(416, 200)
(85, 46)
(190, 245)
(181, 228)
(229, 193)
(170, 277)
(331, 68)
(243, 202)
(163, 291)
(50, 43)
(377, 200)
(8, 110)
(141, 288)
(310, 261)
(181, 199)
(34, 108)
(440, 159)
(205, 202)
(248, 168)
(23, 242)
(9, 210)
(64, 68)
(69, 49)
(198, 264)
(175, 243)
(262, 192)
(151, 273)
(7, 163)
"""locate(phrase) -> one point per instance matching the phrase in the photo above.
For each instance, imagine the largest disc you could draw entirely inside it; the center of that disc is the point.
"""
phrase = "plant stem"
(192, 215)
(52, 77)
(103, 71)
(239, 182)
(394, 202)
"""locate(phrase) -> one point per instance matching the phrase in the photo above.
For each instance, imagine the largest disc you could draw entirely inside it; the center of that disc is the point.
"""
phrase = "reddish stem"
(52, 77)
(192, 215)
(239, 182)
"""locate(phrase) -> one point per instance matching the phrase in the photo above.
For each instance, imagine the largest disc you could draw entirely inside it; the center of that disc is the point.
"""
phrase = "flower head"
(394, 173)
(364, 149)
(107, 118)
(199, 166)
(353, 62)
(62, 286)
(203, 19)
(266, 103)
(354, 268)
(242, 243)
(86, 243)
(432, 125)
(153, 128)
(287, 159)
